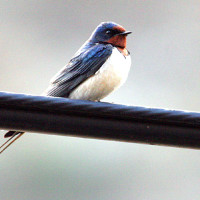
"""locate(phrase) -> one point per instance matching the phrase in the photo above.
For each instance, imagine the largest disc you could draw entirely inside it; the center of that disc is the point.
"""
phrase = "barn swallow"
(98, 68)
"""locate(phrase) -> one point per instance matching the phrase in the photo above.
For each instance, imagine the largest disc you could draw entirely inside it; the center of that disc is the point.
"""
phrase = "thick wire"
(99, 110)
(61, 116)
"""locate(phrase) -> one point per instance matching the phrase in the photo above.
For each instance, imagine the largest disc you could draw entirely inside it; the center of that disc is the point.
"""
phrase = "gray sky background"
(37, 38)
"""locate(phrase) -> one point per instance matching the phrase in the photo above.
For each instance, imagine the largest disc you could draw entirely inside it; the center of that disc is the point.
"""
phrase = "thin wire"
(7, 141)
(10, 142)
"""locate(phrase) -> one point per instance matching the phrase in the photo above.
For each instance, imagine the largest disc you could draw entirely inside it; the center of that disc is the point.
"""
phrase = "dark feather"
(11, 133)
(81, 67)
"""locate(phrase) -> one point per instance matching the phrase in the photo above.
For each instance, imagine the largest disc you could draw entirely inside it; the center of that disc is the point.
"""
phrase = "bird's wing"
(78, 70)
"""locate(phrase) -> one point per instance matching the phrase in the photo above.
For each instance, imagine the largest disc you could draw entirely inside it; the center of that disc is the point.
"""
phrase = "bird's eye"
(108, 32)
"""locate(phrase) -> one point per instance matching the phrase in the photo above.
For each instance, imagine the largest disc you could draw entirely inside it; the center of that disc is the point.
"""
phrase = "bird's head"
(110, 32)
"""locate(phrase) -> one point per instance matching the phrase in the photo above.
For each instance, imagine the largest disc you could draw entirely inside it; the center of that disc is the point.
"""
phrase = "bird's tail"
(14, 135)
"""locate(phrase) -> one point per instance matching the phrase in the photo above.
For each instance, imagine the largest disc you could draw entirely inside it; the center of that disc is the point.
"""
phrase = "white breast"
(108, 78)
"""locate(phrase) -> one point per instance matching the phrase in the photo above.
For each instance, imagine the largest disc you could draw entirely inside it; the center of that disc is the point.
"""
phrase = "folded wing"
(78, 70)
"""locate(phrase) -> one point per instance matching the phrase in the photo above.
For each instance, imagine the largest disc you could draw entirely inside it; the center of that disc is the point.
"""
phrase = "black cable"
(63, 116)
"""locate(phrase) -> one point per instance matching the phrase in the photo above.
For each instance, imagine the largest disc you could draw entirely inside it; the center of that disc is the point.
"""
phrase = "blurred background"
(37, 38)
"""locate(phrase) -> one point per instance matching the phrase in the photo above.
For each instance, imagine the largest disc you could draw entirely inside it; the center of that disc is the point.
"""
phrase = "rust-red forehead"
(119, 28)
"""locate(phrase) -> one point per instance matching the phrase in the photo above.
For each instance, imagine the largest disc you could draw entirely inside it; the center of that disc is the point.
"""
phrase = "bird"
(99, 67)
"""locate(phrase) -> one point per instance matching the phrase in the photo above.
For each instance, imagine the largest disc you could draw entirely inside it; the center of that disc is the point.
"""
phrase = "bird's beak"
(125, 33)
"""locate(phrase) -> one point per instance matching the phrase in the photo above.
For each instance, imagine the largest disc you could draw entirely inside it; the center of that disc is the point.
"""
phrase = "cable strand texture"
(100, 109)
